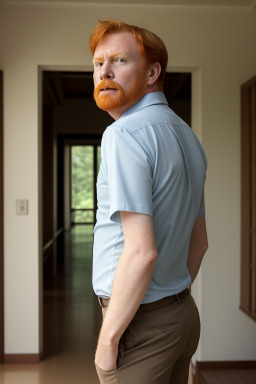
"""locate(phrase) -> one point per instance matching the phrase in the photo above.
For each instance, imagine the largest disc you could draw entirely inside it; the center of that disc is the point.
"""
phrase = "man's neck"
(116, 114)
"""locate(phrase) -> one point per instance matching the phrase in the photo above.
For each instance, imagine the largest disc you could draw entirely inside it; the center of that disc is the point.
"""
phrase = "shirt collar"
(152, 98)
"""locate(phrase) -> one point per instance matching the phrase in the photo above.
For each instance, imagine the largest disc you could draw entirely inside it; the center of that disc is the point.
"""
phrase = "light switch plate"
(21, 207)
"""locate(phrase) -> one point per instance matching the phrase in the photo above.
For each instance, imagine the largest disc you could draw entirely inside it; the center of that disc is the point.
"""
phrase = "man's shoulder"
(150, 116)
(129, 124)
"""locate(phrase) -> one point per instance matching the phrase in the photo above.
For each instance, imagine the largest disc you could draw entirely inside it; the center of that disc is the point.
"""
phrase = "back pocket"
(164, 327)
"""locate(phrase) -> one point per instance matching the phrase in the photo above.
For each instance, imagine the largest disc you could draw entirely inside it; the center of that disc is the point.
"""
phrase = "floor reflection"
(70, 319)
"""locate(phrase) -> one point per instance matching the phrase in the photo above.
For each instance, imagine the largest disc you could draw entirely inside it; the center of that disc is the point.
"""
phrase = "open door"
(1, 226)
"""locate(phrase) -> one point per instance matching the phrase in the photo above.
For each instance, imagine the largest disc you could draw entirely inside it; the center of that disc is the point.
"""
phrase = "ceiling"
(178, 3)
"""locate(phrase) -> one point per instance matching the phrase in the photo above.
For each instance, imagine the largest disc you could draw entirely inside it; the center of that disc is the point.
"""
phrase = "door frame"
(1, 224)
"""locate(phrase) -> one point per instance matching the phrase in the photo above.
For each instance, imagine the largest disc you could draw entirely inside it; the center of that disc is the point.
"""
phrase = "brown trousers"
(157, 346)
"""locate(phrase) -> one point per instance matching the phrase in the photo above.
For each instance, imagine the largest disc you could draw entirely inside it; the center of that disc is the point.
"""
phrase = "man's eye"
(119, 60)
(98, 65)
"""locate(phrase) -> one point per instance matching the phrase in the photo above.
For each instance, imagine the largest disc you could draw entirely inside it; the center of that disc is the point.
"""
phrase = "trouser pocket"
(106, 377)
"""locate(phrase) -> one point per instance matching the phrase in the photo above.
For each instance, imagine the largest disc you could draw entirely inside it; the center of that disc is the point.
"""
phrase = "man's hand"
(106, 354)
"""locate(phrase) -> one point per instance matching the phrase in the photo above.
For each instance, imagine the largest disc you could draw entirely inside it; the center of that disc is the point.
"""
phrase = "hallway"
(69, 322)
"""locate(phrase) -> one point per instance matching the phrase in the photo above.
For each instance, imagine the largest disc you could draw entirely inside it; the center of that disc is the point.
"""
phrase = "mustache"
(106, 84)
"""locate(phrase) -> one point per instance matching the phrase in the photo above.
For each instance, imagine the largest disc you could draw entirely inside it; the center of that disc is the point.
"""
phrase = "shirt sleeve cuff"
(127, 207)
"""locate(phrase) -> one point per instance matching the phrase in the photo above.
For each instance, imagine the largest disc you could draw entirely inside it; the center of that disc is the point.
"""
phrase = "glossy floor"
(71, 320)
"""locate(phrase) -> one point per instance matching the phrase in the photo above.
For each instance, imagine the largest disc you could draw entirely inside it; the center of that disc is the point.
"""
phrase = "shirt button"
(164, 330)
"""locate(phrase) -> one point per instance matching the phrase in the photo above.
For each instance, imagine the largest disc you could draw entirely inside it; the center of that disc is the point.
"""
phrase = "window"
(248, 225)
(85, 161)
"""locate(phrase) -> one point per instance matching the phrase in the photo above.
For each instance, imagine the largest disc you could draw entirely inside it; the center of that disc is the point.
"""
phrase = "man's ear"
(154, 71)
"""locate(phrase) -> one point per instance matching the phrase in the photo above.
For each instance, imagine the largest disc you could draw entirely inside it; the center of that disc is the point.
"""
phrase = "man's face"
(120, 74)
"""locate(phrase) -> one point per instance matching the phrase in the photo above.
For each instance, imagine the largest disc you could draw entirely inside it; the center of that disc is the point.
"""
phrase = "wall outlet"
(21, 207)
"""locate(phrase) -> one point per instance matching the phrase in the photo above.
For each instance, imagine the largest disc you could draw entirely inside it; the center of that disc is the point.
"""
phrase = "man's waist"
(149, 307)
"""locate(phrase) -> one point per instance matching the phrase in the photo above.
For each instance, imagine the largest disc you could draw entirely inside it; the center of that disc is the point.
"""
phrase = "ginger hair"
(151, 46)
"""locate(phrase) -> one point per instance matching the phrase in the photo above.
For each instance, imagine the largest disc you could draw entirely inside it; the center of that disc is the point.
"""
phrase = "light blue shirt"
(152, 163)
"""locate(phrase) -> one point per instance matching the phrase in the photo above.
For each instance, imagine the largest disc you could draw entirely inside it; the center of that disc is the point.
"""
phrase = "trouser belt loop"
(178, 298)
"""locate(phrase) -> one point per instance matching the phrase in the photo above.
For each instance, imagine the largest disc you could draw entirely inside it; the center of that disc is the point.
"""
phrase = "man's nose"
(106, 71)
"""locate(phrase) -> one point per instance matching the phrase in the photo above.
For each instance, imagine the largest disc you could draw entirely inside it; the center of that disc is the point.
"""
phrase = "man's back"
(152, 163)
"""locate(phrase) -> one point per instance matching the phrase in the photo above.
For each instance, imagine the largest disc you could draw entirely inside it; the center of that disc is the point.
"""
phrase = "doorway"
(72, 130)
(73, 125)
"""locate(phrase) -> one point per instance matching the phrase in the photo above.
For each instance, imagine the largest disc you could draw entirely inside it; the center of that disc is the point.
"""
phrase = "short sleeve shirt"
(152, 164)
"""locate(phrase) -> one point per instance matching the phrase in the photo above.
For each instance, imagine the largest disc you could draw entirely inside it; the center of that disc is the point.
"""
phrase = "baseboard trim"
(204, 366)
(251, 364)
(22, 358)
(193, 372)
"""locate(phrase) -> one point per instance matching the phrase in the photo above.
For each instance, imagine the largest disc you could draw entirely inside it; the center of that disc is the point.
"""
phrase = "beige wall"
(219, 48)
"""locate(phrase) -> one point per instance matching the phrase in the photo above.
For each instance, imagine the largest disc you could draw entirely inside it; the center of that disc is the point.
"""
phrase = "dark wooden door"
(248, 225)
(1, 226)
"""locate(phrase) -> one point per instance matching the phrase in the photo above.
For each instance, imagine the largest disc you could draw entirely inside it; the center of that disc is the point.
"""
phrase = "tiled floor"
(71, 321)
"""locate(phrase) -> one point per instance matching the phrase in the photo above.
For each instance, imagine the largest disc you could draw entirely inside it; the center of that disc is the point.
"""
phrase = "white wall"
(219, 47)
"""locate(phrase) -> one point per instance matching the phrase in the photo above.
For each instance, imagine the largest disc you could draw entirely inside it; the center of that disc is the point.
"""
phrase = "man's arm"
(131, 281)
(198, 246)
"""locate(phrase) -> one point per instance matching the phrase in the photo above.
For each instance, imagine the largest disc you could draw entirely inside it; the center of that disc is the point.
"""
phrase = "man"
(150, 235)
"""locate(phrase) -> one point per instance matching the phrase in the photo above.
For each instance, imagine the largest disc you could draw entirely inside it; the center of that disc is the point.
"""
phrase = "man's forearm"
(194, 263)
(130, 284)
(131, 281)
(197, 247)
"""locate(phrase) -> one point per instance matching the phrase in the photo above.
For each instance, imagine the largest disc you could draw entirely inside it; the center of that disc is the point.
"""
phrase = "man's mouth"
(108, 89)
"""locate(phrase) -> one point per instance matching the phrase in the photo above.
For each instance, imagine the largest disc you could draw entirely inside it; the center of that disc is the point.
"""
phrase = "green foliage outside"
(82, 182)
(98, 158)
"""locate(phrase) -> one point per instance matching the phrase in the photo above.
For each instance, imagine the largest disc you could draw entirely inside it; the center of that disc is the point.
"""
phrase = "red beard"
(119, 98)
(108, 102)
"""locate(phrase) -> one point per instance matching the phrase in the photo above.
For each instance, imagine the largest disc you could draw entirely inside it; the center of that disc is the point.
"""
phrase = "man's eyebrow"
(120, 53)
(97, 59)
